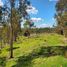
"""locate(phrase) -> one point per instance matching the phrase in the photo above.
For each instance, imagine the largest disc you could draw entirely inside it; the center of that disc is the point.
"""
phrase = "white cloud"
(1, 3)
(53, 19)
(22, 23)
(53, 0)
(32, 10)
(43, 25)
(36, 19)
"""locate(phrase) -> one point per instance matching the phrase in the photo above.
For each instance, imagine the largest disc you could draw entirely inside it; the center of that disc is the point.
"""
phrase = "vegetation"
(36, 51)
(15, 14)
(38, 47)
(61, 16)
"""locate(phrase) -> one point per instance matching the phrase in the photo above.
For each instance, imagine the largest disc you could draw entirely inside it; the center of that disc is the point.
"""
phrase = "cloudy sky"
(42, 12)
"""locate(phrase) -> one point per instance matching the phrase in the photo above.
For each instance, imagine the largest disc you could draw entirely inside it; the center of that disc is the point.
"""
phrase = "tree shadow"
(3, 62)
(0, 51)
(13, 48)
(26, 61)
(52, 51)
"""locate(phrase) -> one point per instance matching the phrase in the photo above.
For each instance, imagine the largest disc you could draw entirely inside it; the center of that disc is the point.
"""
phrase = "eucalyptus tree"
(16, 15)
(2, 29)
(61, 13)
(15, 10)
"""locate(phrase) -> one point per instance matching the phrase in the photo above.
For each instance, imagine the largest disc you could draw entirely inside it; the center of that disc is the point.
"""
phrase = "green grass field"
(28, 52)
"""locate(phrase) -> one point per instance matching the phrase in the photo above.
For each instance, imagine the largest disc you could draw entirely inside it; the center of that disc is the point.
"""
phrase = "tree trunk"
(11, 34)
(11, 43)
(1, 44)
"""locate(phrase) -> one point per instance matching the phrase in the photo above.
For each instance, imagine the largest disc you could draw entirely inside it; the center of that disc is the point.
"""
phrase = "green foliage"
(61, 13)
(26, 24)
(2, 62)
(56, 61)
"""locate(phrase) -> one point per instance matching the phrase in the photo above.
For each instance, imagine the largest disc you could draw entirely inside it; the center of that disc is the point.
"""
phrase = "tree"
(15, 15)
(61, 13)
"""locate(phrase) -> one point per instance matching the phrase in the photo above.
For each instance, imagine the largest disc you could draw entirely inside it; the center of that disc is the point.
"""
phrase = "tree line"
(11, 14)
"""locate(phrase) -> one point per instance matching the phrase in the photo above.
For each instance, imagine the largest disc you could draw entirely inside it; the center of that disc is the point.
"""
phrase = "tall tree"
(61, 13)
(14, 15)
(15, 19)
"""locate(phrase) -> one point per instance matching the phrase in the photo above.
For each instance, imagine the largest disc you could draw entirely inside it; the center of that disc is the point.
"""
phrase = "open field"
(42, 50)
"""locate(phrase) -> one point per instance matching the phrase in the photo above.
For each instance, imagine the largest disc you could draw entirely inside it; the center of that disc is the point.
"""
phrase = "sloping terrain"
(41, 50)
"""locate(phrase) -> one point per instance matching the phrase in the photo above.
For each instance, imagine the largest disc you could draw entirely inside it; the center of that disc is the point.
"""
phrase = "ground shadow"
(26, 61)
(0, 51)
(3, 62)
(13, 48)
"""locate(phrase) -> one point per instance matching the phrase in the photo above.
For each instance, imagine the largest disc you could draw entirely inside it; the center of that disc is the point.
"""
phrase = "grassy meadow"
(40, 50)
